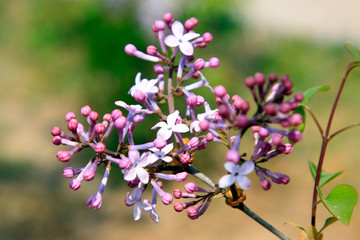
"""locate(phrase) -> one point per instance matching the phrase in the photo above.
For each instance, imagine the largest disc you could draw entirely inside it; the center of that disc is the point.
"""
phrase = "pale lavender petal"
(230, 167)
(146, 206)
(130, 174)
(134, 155)
(244, 182)
(178, 29)
(121, 104)
(164, 133)
(186, 48)
(152, 159)
(226, 181)
(142, 174)
(138, 78)
(168, 148)
(152, 83)
(189, 36)
(180, 128)
(171, 118)
(195, 126)
(246, 168)
(167, 159)
(171, 41)
(137, 211)
(136, 194)
(160, 124)
(144, 159)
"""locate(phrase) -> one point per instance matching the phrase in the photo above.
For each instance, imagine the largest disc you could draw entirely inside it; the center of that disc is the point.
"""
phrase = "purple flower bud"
(191, 100)
(68, 172)
(115, 114)
(159, 69)
(75, 184)
(85, 111)
(94, 116)
(120, 123)
(209, 137)
(263, 132)
(180, 177)
(100, 148)
(99, 128)
(178, 207)
(219, 91)
(138, 118)
(288, 148)
(270, 109)
(214, 62)
(88, 174)
(265, 184)
(273, 77)
(55, 131)
(200, 100)
(265, 147)
(295, 119)
(285, 107)
(233, 156)
(130, 49)
(133, 183)
(177, 193)
(190, 187)
(242, 121)
(69, 116)
(294, 135)
(63, 156)
(250, 82)
(259, 78)
(167, 198)
(276, 139)
(194, 142)
(160, 25)
(299, 97)
(72, 125)
(56, 140)
(192, 212)
(160, 143)
(107, 117)
(139, 96)
(199, 64)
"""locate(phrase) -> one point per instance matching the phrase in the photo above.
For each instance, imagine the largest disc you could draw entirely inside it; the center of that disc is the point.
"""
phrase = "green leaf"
(297, 225)
(310, 92)
(354, 51)
(324, 176)
(328, 222)
(340, 202)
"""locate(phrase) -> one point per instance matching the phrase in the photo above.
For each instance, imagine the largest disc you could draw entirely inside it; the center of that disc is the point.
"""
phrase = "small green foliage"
(328, 222)
(324, 176)
(340, 202)
(310, 92)
(354, 51)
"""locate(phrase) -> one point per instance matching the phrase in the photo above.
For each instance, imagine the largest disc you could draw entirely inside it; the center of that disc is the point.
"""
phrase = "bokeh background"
(56, 56)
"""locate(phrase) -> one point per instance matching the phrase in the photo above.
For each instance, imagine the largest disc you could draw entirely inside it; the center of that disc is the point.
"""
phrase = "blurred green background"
(56, 56)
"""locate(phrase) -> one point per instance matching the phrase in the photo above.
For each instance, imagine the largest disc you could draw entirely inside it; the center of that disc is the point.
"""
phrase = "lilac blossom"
(161, 154)
(181, 40)
(166, 129)
(237, 173)
(138, 205)
(144, 85)
(137, 166)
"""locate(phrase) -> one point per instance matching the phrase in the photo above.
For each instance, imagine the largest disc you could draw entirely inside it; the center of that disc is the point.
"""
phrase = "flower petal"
(230, 167)
(160, 124)
(134, 155)
(180, 128)
(226, 181)
(137, 211)
(121, 104)
(168, 148)
(244, 182)
(189, 36)
(152, 159)
(186, 48)
(171, 41)
(130, 174)
(138, 78)
(164, 133)
(177, 29)
(142, 174)
(167, 159)
(246, 168)
(171, 118)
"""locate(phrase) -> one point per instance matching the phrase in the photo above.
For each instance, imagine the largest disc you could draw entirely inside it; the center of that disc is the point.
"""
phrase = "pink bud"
(88, 175)
(194, 142)
(100, 148)
(214, 62)
(295, 119)
(116, 113)
(99, 128)
(56, 140)
(285, 107)
(85, 111)
(191, 100)
(208, 37)
(200, 100)
(120, 123)
(124, 163)
(168, 18)
(94, 116)
(63, 156)
(190, 187)
(199, 64)
(191, 213)
(139, 96)
(75, 184)
(273, 77)
(159, 143)
(55, 131)
(294, 135)
(167, 198)
(209, 137)
(185, 158)
(138, 118)
(250, 82)
(276, 139)
(256, 129)
(259, 78)
(265, 184)
(270, 109)
(178, 207)
(180, 177)
(68, 172)
(288, 148)
(159, 25)
(242, 121)
(299, 97)
(72, 125)
(69, 116)
(233, 156)
(177, 194)
(219, 91)
(159, 69)
(151, 50)
(204, 125)
(107, 117)
(263, 132)
(130, 49)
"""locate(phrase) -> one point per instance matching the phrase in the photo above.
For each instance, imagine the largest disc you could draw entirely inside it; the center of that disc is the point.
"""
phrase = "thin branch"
(315, 119)
(343, 129)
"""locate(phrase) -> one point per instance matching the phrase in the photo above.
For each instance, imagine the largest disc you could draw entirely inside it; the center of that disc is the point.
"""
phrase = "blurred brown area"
(56, 56)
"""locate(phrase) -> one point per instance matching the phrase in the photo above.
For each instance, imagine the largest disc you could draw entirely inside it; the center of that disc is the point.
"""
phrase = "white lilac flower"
(181, 40)
(166, 129)
(161, 154)
(144, 85)
(237, 173)
(134, 109)
(135, 199)
(207, 115)
(137, 166)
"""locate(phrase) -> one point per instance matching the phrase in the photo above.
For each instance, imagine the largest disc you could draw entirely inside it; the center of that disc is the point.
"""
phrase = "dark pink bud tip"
(214, 62)
(100, 148)
(191, 100)
(167, 198)
(63, 156)
(124, 163)
(295, 135)
(151, 50)
(56, 140)
(75, 184)
(130, 49)
(177, 194)
(191, 213)
(250, 82)
(220, 91)
(185, 158)
(270, 109)
(199, 64)
(273, 77)
(116, 113)
(55, 131)
(68, 172)
(259, 78)
(159, 25)
(94, 116)
(285, 107)
(178, 207)
(99, 128)
(208, 37)
(88, 175)
(107, 117)
(190, 187)
(299, 97)
(69, 116)
(85, 111)
(209, 137)
(265, 184)
(168, 18)
(72, 125)
(242, 121)
(204, 125)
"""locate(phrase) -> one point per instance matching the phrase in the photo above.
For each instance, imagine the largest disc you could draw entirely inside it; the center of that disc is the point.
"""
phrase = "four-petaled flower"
(166, 129)
(207, 115)
(137, 166)
(181, 40)
(144, 85)
(161, 154)
(135, 199)
(134, 109)
(237, 173)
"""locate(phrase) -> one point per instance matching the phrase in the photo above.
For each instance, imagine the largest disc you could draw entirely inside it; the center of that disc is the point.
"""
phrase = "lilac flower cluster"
(181, 133)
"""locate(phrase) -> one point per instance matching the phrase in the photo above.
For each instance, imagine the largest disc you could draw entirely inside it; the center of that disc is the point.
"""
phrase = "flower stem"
(261, 221)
